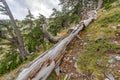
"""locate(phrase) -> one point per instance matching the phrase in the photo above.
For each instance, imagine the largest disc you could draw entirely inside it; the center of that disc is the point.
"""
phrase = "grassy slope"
(100, 46)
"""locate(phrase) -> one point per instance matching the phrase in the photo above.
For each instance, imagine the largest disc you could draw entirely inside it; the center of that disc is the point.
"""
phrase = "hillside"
(92, 54)
(96, 56)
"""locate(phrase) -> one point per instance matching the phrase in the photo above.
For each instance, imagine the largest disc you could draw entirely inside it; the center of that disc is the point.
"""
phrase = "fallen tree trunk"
(42, 67)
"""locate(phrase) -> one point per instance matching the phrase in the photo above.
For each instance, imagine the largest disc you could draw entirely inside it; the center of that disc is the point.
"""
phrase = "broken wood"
(41, 67)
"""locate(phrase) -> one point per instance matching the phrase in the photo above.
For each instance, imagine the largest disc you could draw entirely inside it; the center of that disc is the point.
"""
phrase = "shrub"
(34, 38)
(9, 61)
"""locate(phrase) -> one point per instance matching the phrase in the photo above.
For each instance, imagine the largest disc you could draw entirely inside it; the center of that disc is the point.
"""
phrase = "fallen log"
(42, 66)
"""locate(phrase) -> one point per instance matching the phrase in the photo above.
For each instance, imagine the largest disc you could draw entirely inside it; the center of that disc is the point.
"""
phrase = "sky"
(19, 8)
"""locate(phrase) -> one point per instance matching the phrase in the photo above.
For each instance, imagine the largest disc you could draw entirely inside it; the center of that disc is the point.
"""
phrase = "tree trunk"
(100, 2)
(19, 37)
(48, 35)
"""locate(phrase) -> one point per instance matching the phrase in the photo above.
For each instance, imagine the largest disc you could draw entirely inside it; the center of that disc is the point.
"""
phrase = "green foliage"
(101, 46)
(61, 21)
(34, 38)
(110, 19)
(52, 76)
(33, 56)
(88, 63)
(9, 61)
(93, 63)
(107, 5)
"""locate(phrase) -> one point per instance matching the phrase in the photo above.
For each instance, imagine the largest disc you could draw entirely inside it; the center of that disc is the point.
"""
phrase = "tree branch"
(9, 30)
(48, 35)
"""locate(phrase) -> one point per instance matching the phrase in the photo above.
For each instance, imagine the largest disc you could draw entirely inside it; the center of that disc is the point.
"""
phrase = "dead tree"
(42, 66)
(48, 35)
(20, 44)
(29, 18)
(100, 2)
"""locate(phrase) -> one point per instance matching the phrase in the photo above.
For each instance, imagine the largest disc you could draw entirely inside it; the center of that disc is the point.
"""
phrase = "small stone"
(115, 42)
(32, 53)
(112, 60)
(114, 27)
(74, 58)
(106, 79)
(75, 65)
(85, 44)
(117, 34)
(70, 61)
(81, 44)
(117, 58)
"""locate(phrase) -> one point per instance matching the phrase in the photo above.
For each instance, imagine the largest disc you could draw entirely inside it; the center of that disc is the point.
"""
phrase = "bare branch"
(2, 9)
(9, 30)
(1, 6)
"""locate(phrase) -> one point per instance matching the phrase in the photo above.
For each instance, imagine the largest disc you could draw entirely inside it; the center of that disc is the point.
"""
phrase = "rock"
(109, 76)
(104, 11)
(31, 53)
(70, 61)
(84, 44)
(75, 65)
(74, 58)
(114, 27)
(81, 44)
(106, 79)
(112, 60)
(115, 42)
(117, 58)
